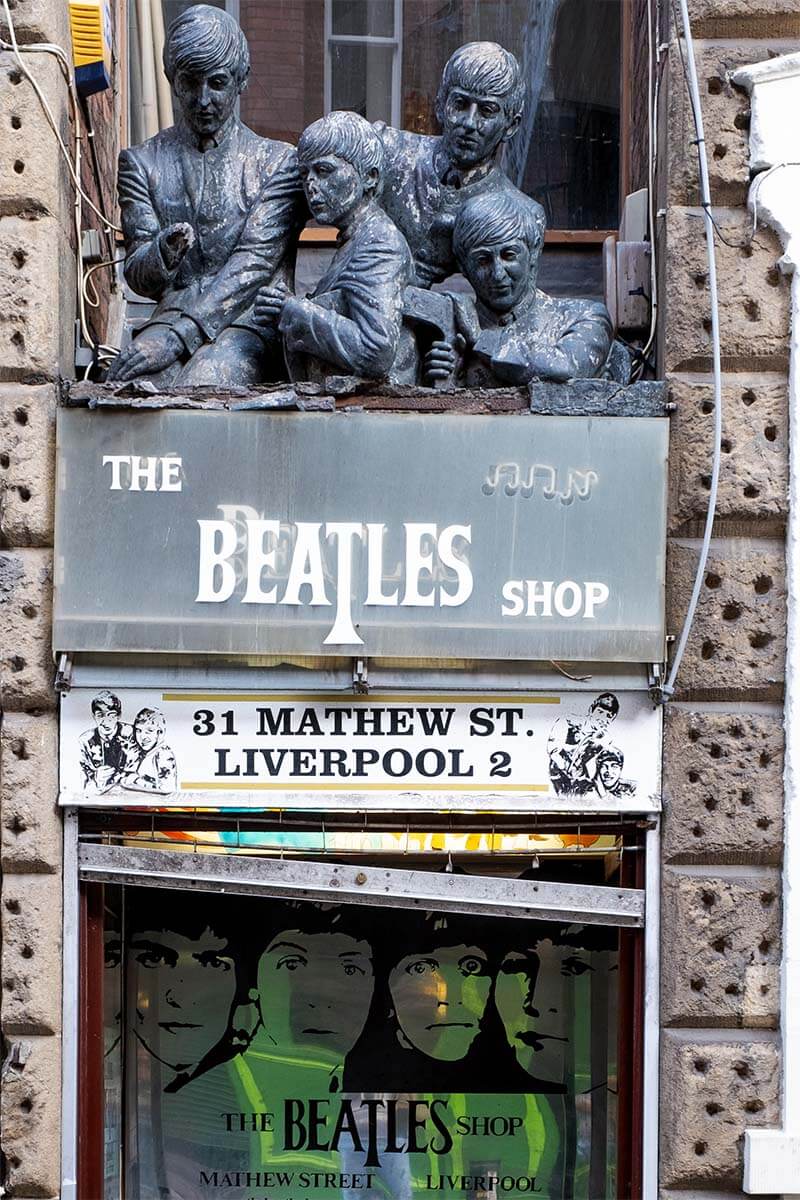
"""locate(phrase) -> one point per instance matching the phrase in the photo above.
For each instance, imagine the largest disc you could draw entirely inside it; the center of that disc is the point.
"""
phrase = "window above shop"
(384, 58)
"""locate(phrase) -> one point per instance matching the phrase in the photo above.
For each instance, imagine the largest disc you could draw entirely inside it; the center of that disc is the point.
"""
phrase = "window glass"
(373, 18)
(346, 1051)
(309, 56)
(361, 79)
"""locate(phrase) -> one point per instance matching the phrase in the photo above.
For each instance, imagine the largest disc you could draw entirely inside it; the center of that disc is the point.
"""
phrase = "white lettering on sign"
(542, 599)
(429, 552)
(144, 473)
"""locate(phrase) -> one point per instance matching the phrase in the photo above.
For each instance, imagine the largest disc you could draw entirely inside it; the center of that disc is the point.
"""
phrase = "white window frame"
(341, 39)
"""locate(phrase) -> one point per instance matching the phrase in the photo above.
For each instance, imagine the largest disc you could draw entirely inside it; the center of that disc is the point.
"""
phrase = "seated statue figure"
(428, 180)
(210, 212)
(352, 323)
(513, 333)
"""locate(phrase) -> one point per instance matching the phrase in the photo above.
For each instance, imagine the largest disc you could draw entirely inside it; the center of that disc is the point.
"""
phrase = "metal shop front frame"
(137, 852)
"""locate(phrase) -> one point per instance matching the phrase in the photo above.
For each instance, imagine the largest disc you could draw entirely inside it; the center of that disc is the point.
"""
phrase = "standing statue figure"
(352, 323)
(210, 213)
(427, 180)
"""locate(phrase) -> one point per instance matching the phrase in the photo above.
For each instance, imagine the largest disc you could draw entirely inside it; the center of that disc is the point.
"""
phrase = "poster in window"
(300, 1051)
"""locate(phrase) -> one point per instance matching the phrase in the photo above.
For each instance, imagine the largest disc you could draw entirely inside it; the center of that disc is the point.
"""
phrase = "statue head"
(498, 239)
(340, 158)
(207, 62)
(480, 102)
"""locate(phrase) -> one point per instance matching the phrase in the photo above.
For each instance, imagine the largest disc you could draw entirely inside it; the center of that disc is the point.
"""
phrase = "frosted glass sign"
(403, 536)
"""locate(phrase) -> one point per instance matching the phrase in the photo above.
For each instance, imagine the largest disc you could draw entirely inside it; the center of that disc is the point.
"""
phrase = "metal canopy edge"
(484, 801)
(298, 879)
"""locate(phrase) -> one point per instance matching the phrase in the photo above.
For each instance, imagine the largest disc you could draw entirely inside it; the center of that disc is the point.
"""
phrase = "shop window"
(268, 1046)
(384, 59)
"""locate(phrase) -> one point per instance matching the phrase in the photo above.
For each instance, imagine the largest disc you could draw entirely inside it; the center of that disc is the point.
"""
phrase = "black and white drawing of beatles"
(362, 1000)
(135, 756)
(583, 759)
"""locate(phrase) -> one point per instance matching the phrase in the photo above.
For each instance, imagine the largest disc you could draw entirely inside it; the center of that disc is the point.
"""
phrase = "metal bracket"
(63, 680)
(360, 676)
(655, 683)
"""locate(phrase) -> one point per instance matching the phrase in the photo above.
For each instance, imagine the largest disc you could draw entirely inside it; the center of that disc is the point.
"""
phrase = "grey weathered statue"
(427, 180)
(210, 213)
(352, 323)
(513, 333)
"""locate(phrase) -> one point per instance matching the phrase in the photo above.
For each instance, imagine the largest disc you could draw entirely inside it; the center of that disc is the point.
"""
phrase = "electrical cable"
(652, 113)
(99, 352)
(694, 97)
(59, 53)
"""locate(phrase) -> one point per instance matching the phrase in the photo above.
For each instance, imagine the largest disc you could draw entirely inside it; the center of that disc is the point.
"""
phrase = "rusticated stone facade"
(722, 830)
(723, 753)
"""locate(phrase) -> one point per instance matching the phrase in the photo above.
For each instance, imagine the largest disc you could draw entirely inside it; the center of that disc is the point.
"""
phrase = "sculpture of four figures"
(211, 215)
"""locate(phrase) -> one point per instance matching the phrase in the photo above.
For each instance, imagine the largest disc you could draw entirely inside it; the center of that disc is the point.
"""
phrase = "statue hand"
(442, 359)
(269, 304)
(151, 351)
(174, 243)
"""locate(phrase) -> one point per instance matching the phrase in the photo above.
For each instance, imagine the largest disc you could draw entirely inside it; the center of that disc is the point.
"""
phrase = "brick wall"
(285, 91)
(723, 831)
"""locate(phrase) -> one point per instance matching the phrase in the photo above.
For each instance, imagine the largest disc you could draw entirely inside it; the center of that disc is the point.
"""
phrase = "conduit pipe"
(705, 197)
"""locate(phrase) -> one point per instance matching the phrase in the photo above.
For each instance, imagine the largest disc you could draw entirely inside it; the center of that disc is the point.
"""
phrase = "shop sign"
(555, 752)
(404, 536)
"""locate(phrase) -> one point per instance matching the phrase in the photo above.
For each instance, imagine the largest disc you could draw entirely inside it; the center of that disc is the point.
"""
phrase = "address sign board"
(551, 752)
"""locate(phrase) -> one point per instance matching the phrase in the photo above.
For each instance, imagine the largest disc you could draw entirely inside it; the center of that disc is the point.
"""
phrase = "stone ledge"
(595, 397)
(27, 464)
(31, 954)
(26, 666)
(30, 822)
(754, 466)
(754, 313)
(726, 119)
(30, 1104)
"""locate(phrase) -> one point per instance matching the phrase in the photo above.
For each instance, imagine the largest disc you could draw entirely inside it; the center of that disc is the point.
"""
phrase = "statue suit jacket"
(244, 200)
(353, 319)
(423, 193)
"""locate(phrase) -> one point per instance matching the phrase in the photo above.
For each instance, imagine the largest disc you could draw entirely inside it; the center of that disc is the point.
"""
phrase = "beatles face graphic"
(106, 720)
(610, 771)
(315, 992)
(531, 994)
(148, 731)
(439, 998)
(186, 988)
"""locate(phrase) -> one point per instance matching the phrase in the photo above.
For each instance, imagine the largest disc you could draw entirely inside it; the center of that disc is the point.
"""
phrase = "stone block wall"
(723, 752)
(37, 289)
